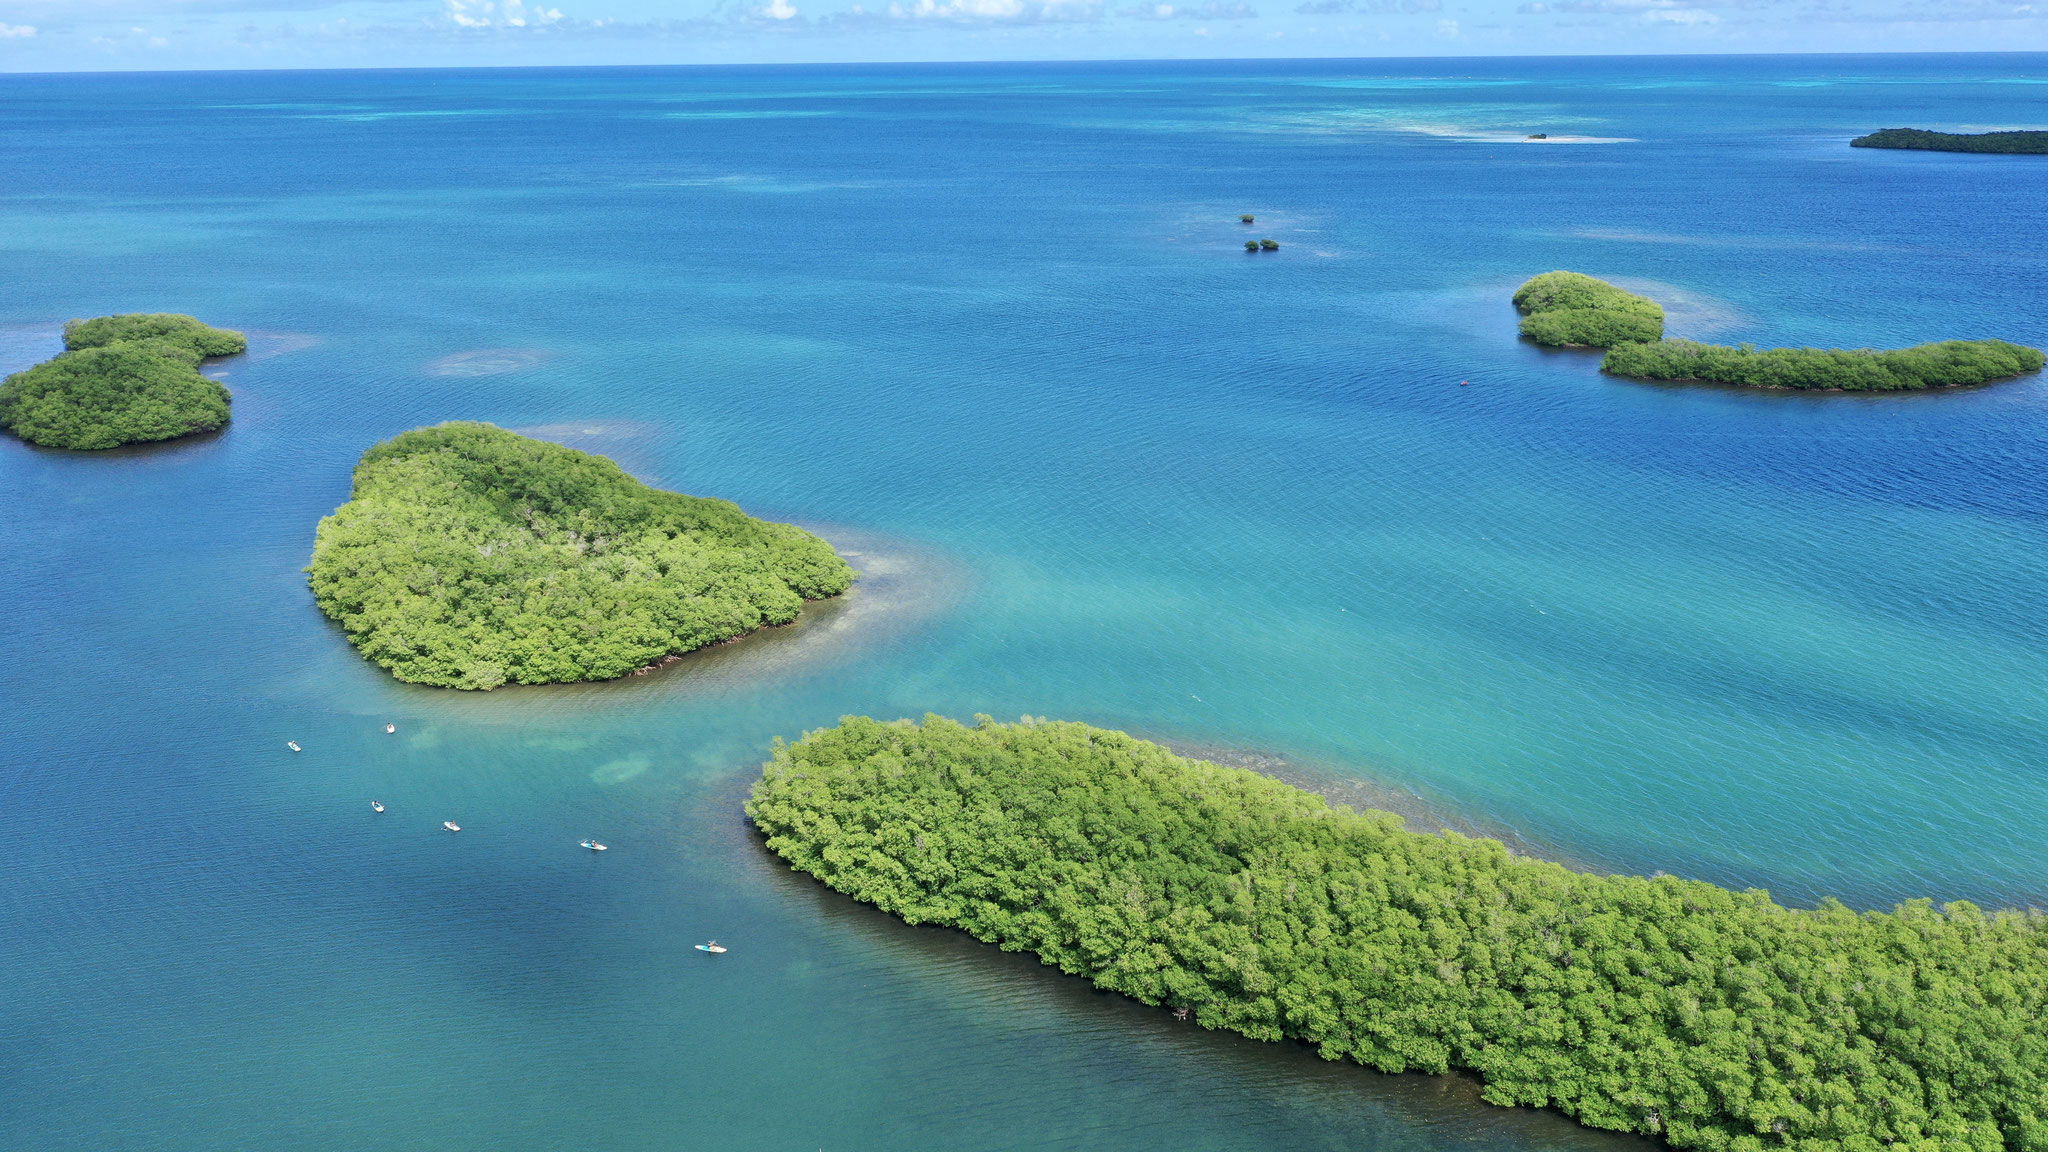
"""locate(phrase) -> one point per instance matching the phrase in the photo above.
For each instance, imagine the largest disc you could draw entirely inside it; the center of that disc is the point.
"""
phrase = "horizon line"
(1050, 60)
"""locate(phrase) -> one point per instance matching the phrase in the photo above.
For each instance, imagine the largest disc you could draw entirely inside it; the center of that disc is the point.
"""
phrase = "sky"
(119, 35)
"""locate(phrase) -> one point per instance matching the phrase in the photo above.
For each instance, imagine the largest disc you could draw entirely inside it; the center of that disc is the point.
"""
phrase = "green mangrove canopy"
(1711, 1018)
(471, 557)
(168, 327)
(1561, 308)
(124, 380)
(1948, 364)
(2029, 143)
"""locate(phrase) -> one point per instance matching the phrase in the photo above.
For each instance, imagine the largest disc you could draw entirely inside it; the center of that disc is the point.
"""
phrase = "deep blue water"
(990, 328)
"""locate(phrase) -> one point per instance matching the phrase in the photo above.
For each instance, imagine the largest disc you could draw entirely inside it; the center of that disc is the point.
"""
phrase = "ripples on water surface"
(992, 329)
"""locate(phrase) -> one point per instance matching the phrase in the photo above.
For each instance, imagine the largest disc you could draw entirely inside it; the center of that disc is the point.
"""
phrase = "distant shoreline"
(2022, 143)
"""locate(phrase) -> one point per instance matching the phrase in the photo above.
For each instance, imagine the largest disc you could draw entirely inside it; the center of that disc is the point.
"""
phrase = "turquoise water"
(990, 329)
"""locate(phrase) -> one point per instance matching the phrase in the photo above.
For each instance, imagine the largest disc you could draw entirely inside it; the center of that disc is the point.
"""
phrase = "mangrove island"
(1922, 140)
(1567, 308)
(1947, 364)
(469, 557)
(1570, 309)
(168, 328)
(122, 380)
(1671, 1008)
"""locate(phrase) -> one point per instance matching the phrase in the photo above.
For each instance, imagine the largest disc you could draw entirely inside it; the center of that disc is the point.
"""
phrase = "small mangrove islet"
(121, 380)
(1947, 364)
(2030, 143)
(1571, 309)
(1709, 1018)
(470, 557)
(1567, 308)
(165, 327)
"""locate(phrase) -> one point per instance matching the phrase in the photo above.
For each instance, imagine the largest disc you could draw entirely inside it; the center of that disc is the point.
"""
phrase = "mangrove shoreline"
(1670, 1008)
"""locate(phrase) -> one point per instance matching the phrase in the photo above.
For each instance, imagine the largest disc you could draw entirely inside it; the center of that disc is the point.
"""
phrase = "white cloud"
(127, 39)
(1649, 11)
(1447, 29)
(16, 31)
(500, 14)
(779, 10)
(1367, 7)
(1209, 10)
(1018, 12)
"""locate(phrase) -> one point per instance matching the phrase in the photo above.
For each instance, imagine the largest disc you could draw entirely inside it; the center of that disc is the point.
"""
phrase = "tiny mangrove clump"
(1571, 309)
(123, 380)
(1269, 245)
(1245, 219)
(1921, 140)
(1947, 364)
(470, 557)
(1671, 1008)
(1251, 245)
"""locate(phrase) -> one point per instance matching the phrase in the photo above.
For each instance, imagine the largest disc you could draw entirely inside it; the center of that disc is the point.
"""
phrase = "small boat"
(292, 744)
(391, 728)
(451, 825)
(594, 846)
(715, 948)
(376, 807)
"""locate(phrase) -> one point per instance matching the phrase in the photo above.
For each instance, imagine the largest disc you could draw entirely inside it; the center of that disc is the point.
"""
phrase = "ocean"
(992, 330)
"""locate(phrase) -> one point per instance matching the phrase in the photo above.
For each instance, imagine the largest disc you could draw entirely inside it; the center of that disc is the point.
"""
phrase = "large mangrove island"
(469, 557)
(1711, 1018)
(121, 380)
(1947, 364)
(1572, 309)
(1922, 140)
